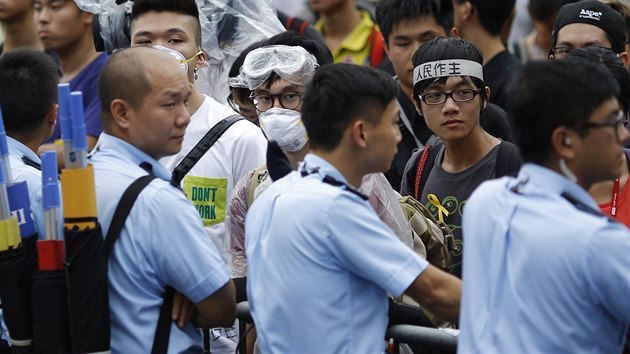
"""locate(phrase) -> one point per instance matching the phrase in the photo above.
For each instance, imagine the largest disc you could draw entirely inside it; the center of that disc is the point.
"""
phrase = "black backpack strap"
(162, 332)
(508, 160)
(122, 210)
(425, 165)
(202, 147)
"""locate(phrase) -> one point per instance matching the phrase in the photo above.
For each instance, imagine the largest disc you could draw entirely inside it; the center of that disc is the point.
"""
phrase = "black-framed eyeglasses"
(619, 122)
(464, 95)
(288, 100)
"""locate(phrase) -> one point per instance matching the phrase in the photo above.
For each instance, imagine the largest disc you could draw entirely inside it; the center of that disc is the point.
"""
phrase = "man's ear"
(88, 18)
(358, 132)
(466, 10)
(562, 143)
(625, 58)
(485, 101)
(201, 59)
(121, 113)
(416, 103)
(51, 116)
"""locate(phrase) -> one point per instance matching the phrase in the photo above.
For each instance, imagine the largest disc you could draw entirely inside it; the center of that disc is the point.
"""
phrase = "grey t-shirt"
(452, 190)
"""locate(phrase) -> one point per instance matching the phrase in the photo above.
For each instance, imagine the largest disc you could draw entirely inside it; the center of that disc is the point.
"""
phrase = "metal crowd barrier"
(401, 333)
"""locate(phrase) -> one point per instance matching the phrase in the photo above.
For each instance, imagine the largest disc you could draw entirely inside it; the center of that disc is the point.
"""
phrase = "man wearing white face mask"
(276, 74)
(173, 26)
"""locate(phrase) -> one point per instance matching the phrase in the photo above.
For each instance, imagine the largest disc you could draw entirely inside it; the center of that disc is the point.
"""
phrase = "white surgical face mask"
(285, 127)
(183, 62)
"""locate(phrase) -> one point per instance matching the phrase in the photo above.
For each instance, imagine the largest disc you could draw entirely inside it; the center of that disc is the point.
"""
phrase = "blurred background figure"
(536, 44)
(18, 28)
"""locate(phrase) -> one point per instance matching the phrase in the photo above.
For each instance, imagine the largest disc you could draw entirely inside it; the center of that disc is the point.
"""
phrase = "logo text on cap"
(591, 15)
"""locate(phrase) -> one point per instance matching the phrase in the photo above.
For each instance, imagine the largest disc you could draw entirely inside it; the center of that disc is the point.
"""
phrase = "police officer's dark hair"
(28, 89)
(612, 61)
(123, 77)
(390, 13)
(492, 14)
(443, 48)
(294, 39)
(337, 95)
(554, 94)
(184, 7)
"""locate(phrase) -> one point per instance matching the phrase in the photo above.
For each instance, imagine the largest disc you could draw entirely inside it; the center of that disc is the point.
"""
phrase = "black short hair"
(624, 10)
(492, 14)
(390, 13)
(184, 7)
(294, 39)
(337, 95)
(443, 48)
(28, 89)
(553, 94)
(123, 77)
(612, 61)
(546, 10)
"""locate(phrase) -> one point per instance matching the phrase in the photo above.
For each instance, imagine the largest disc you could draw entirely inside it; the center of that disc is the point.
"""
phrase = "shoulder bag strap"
(202, 147)
(162, 332)
(508, 160)
(425, 165)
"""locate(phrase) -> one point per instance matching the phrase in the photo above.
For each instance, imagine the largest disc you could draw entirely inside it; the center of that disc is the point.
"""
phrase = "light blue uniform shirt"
(320, 265)
(33, 177)
(163, 243)
(540, 275)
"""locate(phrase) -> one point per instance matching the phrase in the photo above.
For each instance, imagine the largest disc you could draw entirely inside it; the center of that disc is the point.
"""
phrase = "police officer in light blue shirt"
(28, 91)
(144, 94)
(545, 271)
(320, 260)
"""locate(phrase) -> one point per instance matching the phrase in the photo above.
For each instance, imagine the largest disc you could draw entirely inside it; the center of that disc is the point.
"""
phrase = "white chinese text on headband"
(445, 68)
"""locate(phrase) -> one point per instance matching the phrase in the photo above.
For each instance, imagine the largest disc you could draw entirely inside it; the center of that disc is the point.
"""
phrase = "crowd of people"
(298, 147)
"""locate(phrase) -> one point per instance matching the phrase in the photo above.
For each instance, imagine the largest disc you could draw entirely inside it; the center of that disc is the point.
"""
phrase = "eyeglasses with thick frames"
(619, 122)
(288, 100)
(563, 52)
(464, 95)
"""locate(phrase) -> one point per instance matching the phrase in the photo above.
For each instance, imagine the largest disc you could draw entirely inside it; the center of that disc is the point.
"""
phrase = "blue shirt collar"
(550, 181)
(126, 151)
(313, 163)
(22, 150)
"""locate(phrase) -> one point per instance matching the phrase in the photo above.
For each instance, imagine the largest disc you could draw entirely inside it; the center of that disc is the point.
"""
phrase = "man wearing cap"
(588, 23)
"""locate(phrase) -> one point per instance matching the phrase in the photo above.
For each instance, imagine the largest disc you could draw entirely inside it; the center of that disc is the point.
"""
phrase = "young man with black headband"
(406, 25)
(450, 93)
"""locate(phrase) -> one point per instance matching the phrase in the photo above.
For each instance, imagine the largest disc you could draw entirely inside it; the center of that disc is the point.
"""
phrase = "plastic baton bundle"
(17, 253)
(86, 258)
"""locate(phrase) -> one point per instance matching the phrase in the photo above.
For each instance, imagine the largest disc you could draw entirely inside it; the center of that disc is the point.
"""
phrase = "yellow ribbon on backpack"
(441, 209)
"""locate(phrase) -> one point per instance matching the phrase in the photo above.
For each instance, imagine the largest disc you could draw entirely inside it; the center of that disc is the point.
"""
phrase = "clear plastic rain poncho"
(292, 63)
(227, 28)
(113, 21)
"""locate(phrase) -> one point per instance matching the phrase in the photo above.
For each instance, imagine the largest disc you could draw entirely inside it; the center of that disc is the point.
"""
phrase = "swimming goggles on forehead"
(292, 63)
